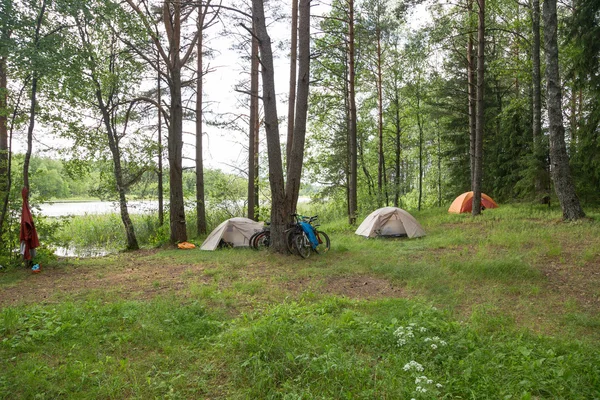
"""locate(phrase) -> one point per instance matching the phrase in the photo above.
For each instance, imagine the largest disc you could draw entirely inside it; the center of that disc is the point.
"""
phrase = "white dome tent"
(235, 231)
(390, 221)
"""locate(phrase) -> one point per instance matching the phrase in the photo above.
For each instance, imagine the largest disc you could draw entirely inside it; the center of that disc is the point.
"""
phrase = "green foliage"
(328, 349)
(244, 324)
(333, 349)
(94, 349)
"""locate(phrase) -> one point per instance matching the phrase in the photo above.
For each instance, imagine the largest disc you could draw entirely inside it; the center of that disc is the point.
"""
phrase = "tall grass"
(475, 312)
(105, 232)
(332, 348)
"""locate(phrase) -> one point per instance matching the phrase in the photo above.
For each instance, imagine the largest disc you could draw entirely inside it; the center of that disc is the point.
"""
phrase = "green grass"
(499, 307)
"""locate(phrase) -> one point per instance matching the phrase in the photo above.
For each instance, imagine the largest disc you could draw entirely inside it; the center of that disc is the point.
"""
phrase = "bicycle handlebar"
(304, 218)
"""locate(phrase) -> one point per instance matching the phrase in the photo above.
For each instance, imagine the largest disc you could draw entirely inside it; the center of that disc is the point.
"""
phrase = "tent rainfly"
(464, 203)
(390, 221)
(235, 231)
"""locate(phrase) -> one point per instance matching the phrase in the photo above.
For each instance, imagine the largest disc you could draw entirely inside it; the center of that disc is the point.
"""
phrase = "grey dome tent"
(390, 221)
(235, 231)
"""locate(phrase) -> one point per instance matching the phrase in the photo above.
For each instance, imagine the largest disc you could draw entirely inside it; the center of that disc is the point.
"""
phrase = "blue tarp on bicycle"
(310, 232)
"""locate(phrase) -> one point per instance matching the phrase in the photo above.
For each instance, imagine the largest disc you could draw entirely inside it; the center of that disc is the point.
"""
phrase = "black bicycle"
(261, 239)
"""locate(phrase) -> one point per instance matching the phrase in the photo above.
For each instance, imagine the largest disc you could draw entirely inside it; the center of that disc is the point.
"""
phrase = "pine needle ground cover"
(502, 306)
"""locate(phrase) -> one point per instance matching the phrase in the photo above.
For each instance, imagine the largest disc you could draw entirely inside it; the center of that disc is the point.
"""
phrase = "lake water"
(59, 209)
(63, 209)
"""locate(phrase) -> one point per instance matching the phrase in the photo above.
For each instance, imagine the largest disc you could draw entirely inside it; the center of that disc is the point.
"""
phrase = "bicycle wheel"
(252, 238)
(262, 240)
(290, 239)
(302, 245)
(324, 243)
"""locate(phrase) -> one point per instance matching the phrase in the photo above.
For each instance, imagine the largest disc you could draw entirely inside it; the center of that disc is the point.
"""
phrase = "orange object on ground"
(186, 245)
(464, 203)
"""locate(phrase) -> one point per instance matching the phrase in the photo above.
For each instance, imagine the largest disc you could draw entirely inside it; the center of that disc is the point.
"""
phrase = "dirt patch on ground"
(130, 280)
(579, 282)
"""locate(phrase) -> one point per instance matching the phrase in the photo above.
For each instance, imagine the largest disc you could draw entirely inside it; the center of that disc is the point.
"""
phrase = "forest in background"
(390, 116)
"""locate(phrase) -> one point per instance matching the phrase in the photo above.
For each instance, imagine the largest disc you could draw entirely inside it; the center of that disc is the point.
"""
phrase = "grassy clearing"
(502, 306)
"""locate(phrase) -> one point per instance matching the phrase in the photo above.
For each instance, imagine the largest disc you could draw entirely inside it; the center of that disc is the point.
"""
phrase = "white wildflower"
(438, 385)
(422, 329)
(433, 346)
(413, 365)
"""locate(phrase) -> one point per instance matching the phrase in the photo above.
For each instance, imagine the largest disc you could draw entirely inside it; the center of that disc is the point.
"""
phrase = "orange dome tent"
(464, 203)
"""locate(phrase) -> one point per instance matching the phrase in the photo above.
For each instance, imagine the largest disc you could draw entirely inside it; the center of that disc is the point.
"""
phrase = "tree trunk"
(420, 125)
(253, 134)
(292, 94)
(536, 78)
(34, 83)
(32, 106)
(397, 144)
(113, 144)
(561, 173)
(161, 214)
(284, 196)
(175, 148)
(352, 184)
(294, 167)
(381, 159)
(200, 206)
(3, 124)
(4, 150)
(279, 218)
(471, 89)
(439, 163)
(172, 23)
(172, 20)
(480, 122)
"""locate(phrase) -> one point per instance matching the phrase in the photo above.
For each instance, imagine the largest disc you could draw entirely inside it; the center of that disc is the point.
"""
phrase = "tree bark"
(253, 133)
(381, 176)
(397, 147)
(175, 149)
(174, 62)
(113, 144)
(561, 173)
(200, 206)
(294, 167)
(283, 196)
(471, 93)
(420, 125)
(292, 94)
(352, 134)
(4, 150)
(172, 21)
(3, 124)
(34, 83)
(161, 208)
(536, 78)
(480, 122)
(108, 118)
(279, 218)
